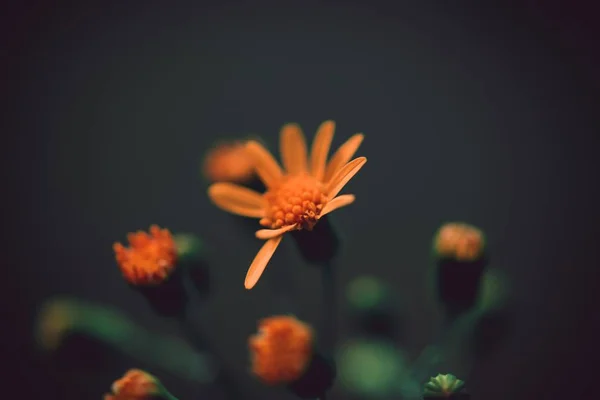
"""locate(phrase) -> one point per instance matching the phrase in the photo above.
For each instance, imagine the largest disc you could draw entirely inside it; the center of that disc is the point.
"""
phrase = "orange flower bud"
(229, 162)
(150, 259)
(461, 260)
(281, 350)
(136, 385)
(459, 241)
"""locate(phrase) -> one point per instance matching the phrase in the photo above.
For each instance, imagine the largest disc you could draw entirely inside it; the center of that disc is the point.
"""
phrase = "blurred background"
(476, 113)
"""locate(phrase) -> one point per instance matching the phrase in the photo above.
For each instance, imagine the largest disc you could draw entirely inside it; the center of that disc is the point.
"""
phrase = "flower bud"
(283, 353)
(229, 162)
(459, 251)
(137, 385)
(149, 265)
(445, 386)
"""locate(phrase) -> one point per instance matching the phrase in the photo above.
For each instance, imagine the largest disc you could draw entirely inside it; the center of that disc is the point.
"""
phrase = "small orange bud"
(459, 241)
(136, 385)
(150, 259)
(281, 350)
(229, 162)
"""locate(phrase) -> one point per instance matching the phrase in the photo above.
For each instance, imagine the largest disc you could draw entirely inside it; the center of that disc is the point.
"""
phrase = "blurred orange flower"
(229, 162)
(296, 197)
(459, 241)
(135, 385)
(281, 350)
(150, 259)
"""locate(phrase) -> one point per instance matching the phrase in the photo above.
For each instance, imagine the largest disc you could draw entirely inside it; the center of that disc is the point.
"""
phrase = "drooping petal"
(343, 155)
(338, 202)
(320, 149)
(271, 233)
(267, 167)
(344, 175)
(260, 261)
(237, 199)
(293, 149)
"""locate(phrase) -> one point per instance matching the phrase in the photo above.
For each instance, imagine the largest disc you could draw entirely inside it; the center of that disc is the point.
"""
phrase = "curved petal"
(293, 149)
(343, 155)
(271, 233)
(320, 149)
(267, 167)
(344, 175)
(337, 202)
(260, 261)
(237, 199)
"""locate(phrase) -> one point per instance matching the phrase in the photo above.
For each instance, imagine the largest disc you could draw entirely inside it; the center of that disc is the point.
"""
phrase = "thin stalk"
(328, 326)
(433, 354)
(282, 286)
(200, 342)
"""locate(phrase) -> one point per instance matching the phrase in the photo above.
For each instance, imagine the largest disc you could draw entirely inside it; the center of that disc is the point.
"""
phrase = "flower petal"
(343, 155)
(320, 149)
(267, 167)
(337, 202)
(237, 199)
(293, 149)
(260, 261)
(343, 176)
(271, 233)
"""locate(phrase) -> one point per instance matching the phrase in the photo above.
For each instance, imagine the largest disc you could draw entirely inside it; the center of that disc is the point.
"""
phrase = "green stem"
(282, 286)
(433, 354)
(200, 342)
(329, 328)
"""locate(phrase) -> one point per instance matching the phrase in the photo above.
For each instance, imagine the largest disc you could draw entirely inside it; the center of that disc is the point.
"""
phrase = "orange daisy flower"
(229, 162)
(150, 259)
(459, 241)
(136, 385)
(297, 196)
(281, 350)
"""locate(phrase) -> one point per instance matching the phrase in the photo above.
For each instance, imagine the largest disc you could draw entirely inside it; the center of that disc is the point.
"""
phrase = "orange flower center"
(297, 200)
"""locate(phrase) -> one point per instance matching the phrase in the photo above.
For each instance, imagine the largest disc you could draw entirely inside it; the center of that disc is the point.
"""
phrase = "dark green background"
(470, 113)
